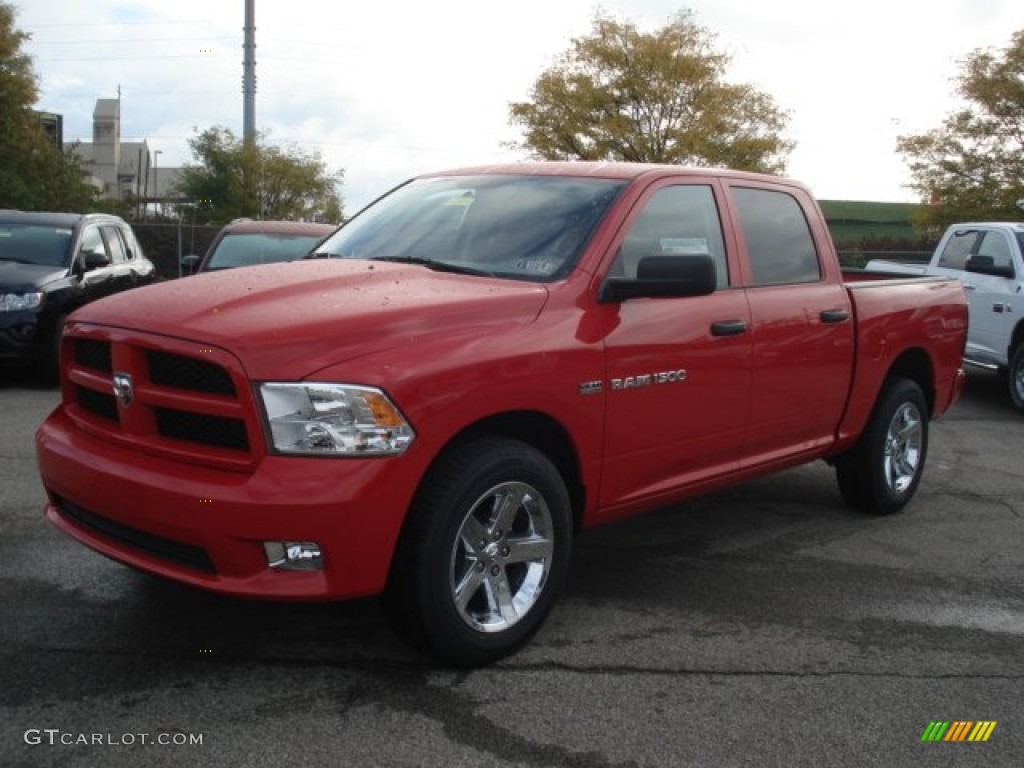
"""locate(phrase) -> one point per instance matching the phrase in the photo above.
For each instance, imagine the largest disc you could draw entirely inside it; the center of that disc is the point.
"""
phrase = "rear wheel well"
(914, 364)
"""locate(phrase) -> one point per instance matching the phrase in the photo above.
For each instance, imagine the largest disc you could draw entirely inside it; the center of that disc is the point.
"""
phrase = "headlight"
(333, 420)
(12, 302)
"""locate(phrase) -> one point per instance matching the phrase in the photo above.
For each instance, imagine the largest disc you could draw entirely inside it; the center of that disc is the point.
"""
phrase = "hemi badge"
(591, 387)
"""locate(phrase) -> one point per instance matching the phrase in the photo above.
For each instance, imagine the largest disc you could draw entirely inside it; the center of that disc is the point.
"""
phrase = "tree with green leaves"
(235, 178)
(35, 174)
(659, 97)
(972, 166)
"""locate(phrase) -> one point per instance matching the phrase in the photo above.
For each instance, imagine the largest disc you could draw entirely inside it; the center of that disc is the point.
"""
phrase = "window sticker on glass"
(537, 266)
(684, 245)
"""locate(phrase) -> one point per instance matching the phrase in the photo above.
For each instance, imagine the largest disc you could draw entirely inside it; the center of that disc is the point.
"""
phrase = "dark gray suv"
(51, 264)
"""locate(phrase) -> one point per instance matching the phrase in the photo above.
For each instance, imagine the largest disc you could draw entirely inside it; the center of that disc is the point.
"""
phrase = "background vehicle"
(987, 258)
(486, 361)
(53, 263)
(245, 242)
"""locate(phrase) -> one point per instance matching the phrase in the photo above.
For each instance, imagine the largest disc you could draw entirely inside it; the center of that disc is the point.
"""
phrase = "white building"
(123, 170)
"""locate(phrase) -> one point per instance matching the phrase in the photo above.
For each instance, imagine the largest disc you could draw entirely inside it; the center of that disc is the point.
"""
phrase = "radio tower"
(249, 74)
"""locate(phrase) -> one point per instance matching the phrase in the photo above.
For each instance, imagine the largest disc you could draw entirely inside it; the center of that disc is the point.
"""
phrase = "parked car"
(988, 258)
(480, 364)
(246, 242)
(50, 265)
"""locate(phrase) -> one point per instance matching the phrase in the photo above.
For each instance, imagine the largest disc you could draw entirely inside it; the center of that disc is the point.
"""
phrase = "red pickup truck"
(479, 365)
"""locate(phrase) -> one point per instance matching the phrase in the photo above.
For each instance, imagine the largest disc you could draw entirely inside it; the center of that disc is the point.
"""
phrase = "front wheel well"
(1016, 339)
(542, 433)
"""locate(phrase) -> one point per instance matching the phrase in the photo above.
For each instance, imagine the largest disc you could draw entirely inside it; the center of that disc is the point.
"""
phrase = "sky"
(388, 89)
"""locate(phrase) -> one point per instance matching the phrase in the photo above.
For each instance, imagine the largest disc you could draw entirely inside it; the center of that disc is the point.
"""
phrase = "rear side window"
(779, 242)
(959, 246)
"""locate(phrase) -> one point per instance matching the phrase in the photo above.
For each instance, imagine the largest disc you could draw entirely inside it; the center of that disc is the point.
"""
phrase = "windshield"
(39, 244)
(521, 227)
(243, 250)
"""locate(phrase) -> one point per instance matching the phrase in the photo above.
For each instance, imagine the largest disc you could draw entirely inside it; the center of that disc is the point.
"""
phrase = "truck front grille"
(175, 398)
(98, 403)
(202, 428)
(94, 354)
(169, 370)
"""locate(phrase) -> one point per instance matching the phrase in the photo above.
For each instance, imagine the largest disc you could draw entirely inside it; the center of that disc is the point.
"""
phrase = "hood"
(17, 277)
(289, 320)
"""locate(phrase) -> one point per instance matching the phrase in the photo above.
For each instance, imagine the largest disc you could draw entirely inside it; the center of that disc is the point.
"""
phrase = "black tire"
(881, 472)
(512, 502)
(1015, 377)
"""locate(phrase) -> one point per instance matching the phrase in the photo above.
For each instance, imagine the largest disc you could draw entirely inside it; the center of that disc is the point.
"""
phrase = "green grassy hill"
(856, 222)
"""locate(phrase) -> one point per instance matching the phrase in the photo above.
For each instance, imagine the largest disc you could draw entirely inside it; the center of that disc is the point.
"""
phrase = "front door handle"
(835, 316)
(728, 328)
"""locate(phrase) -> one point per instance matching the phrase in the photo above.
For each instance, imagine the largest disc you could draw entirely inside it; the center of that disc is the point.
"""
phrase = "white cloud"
(389, 89)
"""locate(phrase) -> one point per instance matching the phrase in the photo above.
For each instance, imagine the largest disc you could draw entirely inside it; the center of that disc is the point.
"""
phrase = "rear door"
(677, 368)
(801, 323)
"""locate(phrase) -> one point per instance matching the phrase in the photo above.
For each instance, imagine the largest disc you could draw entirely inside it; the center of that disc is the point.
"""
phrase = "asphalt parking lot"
(764, 626)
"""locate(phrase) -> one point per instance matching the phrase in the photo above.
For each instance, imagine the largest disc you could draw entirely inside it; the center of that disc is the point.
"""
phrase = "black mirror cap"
(670, 276)
(189, 264)
(983, 265)
(96, 260)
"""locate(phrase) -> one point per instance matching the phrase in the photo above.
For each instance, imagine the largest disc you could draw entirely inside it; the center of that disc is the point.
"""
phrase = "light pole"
(156, 180)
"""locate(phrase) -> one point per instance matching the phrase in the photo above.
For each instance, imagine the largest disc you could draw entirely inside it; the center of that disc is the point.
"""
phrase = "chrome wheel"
(903, 444)
(881, 472)
(501, 557)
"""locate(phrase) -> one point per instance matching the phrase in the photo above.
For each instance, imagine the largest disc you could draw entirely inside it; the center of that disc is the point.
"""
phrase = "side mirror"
(985, 265)
(96, 259)
(189, 264)
(670, 276)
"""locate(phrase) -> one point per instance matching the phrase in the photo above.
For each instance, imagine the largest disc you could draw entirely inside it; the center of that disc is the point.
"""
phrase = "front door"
(677, 368)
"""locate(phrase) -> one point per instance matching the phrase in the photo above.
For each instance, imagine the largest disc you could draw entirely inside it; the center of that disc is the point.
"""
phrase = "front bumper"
(206, 527)
(25, 336)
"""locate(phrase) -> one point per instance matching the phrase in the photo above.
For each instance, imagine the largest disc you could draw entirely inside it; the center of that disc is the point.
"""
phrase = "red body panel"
(655, 405)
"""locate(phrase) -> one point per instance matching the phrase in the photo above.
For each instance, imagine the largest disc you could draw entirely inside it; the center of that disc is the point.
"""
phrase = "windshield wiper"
(437, 266)
(15, 260)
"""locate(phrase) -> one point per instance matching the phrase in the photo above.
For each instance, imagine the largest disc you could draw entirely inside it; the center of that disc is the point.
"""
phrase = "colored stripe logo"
(958, 730)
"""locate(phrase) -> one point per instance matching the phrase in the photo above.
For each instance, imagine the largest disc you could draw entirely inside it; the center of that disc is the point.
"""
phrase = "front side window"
(994, 250)
(675, 220)
(517, 227)
(779, 242)
(92, 243)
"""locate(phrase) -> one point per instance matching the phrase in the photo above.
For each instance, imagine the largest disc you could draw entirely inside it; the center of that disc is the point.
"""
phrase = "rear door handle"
(728, 328)
(835, 316)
